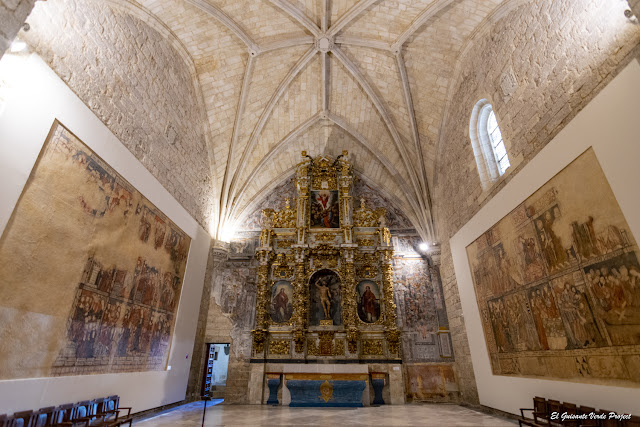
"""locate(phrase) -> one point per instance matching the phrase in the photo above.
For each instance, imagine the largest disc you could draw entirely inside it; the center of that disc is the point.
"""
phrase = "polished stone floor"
(255, 415)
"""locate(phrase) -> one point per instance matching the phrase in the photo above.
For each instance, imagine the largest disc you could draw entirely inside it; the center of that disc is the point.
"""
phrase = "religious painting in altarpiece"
(89, 267)
(558, 283)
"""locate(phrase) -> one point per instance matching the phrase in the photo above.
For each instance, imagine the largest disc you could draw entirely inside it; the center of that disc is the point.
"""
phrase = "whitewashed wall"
(610, 125)
(31, 98)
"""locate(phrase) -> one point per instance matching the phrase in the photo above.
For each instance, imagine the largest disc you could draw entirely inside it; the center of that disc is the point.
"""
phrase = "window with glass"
(497, 144)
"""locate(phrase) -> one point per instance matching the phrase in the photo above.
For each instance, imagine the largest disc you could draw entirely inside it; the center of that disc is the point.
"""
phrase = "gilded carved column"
(264, 254)
(386, 264)
(346, 201)
(350, 305)
(300, 289)
(299, 298)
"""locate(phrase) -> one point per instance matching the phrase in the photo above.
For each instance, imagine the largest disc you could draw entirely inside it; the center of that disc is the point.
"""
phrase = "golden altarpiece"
(325, 278)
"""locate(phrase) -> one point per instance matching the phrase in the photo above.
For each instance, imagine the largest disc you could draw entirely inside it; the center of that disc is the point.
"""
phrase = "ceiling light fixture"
(423, 247)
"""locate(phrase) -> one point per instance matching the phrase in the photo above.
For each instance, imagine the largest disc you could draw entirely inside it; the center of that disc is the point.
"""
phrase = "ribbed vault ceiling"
(281, 76)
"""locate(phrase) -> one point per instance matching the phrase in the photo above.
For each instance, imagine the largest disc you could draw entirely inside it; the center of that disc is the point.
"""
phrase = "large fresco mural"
(421, 312)
(233, 297)
(90, 267)
(558, 283)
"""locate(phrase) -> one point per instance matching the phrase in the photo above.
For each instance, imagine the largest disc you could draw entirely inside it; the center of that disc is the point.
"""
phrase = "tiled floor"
(254, 415)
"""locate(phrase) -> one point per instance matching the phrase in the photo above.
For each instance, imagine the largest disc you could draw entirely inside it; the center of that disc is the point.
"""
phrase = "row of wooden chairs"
(102, 412)
(548, 413)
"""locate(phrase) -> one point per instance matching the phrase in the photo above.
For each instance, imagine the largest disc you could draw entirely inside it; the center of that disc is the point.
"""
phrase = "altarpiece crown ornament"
(325, 279)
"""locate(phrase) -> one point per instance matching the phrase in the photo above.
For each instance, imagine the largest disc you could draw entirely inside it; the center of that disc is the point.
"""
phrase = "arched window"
(488, 147)
(497, 143)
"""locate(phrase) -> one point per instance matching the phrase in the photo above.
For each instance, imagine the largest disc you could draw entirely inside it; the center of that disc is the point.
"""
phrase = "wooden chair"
(82, 412)
(110, 411)
(633, 422)
(608, 422)
(589, 422)
(64, 414)
(3, 420)
(539, 412)
(570, 409)
(22, 419)
(554, 406)
(45, 417)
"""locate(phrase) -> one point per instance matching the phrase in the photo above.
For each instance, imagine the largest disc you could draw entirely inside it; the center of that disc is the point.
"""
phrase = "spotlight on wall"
(18, 46)
(423, 247)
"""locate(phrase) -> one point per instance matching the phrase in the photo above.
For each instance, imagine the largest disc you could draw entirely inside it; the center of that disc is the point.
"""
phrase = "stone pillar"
(218, 253)
(13, 14)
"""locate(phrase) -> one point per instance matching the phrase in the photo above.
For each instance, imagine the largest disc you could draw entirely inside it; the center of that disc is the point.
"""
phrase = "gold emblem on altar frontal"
(326, 391)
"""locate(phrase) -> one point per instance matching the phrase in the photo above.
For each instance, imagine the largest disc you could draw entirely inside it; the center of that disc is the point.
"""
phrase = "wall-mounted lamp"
(423, 247)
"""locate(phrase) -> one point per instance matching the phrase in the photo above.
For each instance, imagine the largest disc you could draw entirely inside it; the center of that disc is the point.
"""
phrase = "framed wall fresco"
(90, 267)
(557, 282)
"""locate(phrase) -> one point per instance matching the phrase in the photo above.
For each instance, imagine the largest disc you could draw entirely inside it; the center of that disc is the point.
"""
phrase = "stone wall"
(13, 13)
(558, 56)
(141, 88)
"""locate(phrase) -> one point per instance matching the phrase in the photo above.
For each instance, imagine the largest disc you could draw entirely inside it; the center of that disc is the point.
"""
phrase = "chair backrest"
(606, 422)
(64, 413)
(589, 422)
(22, 419)
(45, 417)
(540, 406)
(554, 406)
(83, 409)
(633, 422)
(114, 402)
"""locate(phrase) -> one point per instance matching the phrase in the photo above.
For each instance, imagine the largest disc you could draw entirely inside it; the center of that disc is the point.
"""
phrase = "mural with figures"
(421, 312)
(558, 283)
(108, 265)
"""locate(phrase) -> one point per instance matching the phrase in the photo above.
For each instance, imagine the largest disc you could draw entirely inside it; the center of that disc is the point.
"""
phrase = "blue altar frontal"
(326, 390)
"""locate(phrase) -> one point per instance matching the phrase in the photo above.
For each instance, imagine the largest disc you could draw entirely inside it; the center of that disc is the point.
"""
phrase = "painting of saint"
(281, 306)
(368, 301)
(325, 209)
(325, 298)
